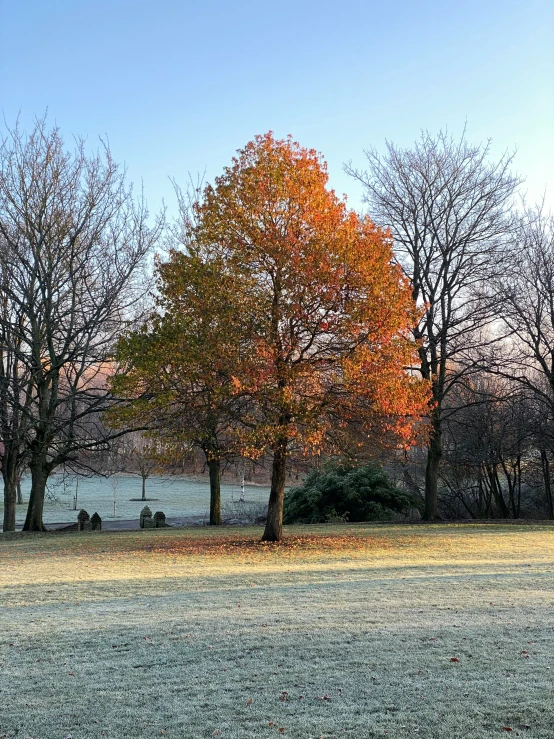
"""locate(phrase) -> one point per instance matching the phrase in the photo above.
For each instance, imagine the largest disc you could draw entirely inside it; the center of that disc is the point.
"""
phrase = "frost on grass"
(340, 632)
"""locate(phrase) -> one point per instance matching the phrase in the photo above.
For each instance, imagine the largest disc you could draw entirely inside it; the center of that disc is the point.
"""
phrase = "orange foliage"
(330, 311)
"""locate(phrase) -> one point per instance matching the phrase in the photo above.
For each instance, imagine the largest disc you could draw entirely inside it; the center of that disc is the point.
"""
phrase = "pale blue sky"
(179, 86)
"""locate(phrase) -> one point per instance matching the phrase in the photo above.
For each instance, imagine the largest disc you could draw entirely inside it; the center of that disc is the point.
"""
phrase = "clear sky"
(179, 86)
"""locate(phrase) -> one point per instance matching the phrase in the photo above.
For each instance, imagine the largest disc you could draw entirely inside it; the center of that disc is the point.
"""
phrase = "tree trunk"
(214, 466)
(511, 481)
(434, 454)
(496, 489)
(545, 463)
(488, 501)
(10, 498)
(274, 524)
(19, 493)
(481, 503)
(33, 521)
(518, 486)
(143, 488)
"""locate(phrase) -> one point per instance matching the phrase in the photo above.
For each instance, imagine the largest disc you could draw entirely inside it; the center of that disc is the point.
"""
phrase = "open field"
(175, 495)
(353, 631)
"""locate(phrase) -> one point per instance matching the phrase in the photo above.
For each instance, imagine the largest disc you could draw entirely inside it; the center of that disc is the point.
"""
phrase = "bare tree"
(541, 423)
(141, 456)
(448, 208)
(528, 315)
(487, 442)
(74, 241)
(528, 311)
(14, 383)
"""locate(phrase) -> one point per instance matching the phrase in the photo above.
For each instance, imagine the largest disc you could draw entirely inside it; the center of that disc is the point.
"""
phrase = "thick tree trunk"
(33, 521)
(214, 466)
(10, 498)
(274, 524)
(434, 454)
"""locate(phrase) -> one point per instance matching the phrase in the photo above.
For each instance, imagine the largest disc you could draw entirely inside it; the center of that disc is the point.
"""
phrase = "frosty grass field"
(357, 631)
(176, 496)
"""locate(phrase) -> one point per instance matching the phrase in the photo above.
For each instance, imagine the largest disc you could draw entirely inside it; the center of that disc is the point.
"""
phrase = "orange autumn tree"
(329, 312)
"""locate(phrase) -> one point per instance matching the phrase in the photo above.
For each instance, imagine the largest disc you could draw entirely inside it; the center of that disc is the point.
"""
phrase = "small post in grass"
(114, 483)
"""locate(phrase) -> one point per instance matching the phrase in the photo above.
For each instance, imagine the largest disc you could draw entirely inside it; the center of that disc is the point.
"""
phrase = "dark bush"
(342, 493)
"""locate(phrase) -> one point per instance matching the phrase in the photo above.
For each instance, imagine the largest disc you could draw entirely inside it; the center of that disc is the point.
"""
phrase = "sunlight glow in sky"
(178, 86)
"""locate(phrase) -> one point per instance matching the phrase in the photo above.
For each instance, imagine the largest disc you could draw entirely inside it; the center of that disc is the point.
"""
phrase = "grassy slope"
(171, 633)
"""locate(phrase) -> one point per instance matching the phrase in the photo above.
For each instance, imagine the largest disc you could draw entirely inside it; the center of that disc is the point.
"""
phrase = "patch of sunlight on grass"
(358, 631)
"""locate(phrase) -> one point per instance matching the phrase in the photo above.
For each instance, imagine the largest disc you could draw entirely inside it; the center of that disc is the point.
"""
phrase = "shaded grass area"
(338, 632)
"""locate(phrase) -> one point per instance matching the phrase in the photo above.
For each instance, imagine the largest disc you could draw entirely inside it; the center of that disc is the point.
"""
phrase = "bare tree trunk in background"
(434, 454)
(545, 465)
(496, 489)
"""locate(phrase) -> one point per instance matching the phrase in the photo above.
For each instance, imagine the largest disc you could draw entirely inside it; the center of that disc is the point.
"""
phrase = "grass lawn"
(353, 631)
